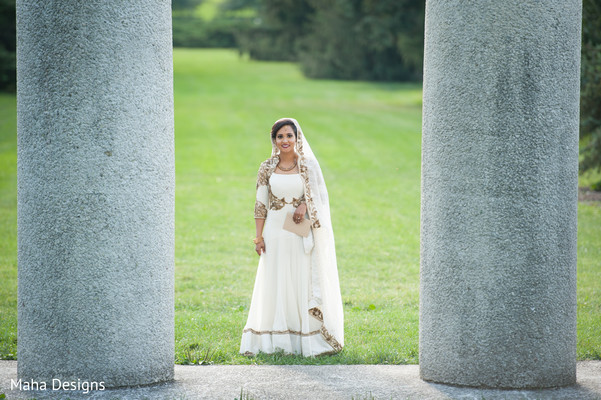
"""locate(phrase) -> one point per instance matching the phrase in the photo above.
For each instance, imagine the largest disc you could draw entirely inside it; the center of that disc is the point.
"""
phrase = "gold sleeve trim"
(260, 210)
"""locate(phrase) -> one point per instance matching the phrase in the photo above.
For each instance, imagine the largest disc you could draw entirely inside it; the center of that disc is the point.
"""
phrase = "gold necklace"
(287, 169)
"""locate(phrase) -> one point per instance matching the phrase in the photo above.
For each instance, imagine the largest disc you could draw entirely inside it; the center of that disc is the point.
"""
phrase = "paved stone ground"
(359, 382)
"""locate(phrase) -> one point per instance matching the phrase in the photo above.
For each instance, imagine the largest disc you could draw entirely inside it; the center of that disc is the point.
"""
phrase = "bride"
(296, 305)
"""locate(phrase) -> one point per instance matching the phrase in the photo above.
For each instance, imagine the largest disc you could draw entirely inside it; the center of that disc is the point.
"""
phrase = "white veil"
(326, 302)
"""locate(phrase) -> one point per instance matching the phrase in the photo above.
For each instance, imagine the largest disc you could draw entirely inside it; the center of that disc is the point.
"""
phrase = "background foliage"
(276, 27)
(590, 95)
(340, 39)
(197, 23)
(8, 62)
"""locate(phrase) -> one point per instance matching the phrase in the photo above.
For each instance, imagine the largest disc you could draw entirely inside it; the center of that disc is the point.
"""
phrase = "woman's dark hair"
(280, 124)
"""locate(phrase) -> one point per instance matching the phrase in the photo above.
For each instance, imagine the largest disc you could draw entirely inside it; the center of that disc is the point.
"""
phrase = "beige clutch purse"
(302, 228)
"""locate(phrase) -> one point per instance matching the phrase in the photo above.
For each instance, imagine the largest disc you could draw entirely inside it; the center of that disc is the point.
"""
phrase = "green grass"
(589, 282)
(367, 138)
(224, 110)
(8, 227)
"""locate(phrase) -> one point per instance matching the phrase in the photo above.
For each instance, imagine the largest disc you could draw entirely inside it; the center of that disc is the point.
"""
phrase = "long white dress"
(281, 316)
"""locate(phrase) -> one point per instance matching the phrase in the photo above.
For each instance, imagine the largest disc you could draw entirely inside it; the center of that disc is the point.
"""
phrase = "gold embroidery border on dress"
(286, 332)
(263, 174)
(276, 203)
(330, 339)
(315, 313)
(265, 170)
(303, 170)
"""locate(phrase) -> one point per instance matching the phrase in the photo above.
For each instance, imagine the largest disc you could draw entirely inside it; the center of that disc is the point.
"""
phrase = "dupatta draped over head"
(325, 302)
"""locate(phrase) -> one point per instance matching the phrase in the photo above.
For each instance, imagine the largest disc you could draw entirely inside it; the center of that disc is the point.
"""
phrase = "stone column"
(95, 191)
(499, 193)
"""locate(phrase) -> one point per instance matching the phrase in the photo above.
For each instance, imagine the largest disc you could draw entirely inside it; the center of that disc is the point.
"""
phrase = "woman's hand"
(260, 247)
(299, 214)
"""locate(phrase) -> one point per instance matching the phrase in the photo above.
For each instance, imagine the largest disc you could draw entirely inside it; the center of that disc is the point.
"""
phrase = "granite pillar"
(499, 193)
(95, 191)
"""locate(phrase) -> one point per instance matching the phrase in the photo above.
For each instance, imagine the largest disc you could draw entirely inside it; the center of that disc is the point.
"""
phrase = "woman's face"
(285, 139)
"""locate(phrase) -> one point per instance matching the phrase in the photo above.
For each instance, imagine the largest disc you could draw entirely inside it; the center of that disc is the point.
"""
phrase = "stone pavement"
(359, 382)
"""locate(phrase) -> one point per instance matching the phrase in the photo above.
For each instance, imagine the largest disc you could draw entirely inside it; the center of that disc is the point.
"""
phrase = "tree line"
(8, 46)
(379, 40)
(590, 89)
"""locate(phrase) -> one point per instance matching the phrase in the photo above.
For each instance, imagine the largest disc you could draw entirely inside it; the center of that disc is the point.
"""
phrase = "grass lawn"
(367, 138)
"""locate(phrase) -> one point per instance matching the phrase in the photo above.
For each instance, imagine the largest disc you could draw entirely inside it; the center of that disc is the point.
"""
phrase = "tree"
(365, 39)
(178, 5)
(334, 48)
(8, 43)
(340, 39)
(273, 31)
(398, 27)
(590, 93)
(190, 29)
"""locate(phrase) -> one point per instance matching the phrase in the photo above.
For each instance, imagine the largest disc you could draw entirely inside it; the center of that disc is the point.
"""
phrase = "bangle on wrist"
(258, 240)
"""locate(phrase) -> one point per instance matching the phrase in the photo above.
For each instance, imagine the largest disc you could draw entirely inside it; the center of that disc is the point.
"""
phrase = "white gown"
(279, 317)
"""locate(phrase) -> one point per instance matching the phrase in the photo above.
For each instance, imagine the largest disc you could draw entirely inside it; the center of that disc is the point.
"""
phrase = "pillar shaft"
(95, 191)
(499, 193)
